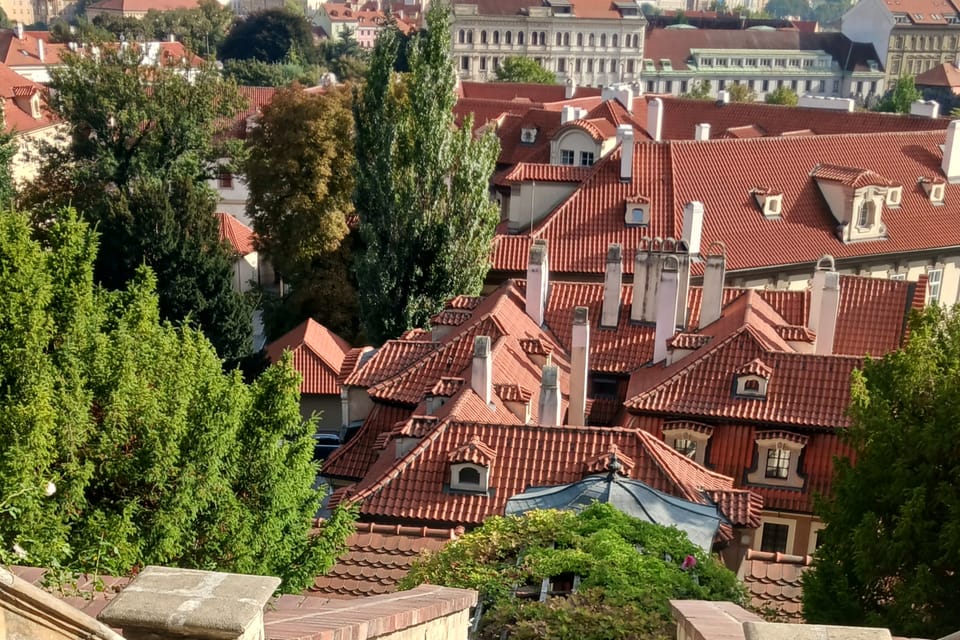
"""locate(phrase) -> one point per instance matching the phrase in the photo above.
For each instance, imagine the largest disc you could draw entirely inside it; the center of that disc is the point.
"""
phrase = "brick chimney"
(647, 265)
(824, 304)
(579, 366)
(538, 281)
(481, 374)
(711, 300)
(626, 139)
(666, 308)
(549, 407)
(702, 132)
(612, 282)
(164, 603)
(655, 119)
(951, 153)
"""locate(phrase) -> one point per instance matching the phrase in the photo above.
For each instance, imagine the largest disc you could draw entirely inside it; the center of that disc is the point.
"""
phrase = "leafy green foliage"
(255, 73)
(789, 9)
(524, 69)
(782, 95)
(269, 36)
(301, 176)
(142, 145)
(426, 219)
(8, 149)
(344, 57)
(629, 571)
(699, 90)
(202, 29)
(741, 93)
(891, 548)
(900, 97)
(156, 455)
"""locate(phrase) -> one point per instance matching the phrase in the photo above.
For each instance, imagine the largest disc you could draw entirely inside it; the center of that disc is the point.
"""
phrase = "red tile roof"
(137, 6)
(378, 556)
(257, 98)
(849, 176)
(526, 172)
(413, 488)
(511, 91)
(924, 11)
(239, 236)
(16, 92)
(25, 51)
(946, 75)
(773, 580)
(389, 360)
(355, 458)
(721, 174)
(318, 355)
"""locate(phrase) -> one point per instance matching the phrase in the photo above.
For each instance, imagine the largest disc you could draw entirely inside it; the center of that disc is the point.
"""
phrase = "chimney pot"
(570, 88)
(538, 281)
(579, 366)
(951, 153)
(549, 407)
(612, 282)
(702, 132)
(655, 119)
(693, 215)
(711, 300)
(481, 379)
(666, 307)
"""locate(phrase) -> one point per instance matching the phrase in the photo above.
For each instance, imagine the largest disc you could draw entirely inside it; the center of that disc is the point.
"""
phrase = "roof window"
(777, 459)
(769, 201)
(934, 188)
(752, 379)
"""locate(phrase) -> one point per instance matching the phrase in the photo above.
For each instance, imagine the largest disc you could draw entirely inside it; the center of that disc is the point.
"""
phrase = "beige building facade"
(588, 47)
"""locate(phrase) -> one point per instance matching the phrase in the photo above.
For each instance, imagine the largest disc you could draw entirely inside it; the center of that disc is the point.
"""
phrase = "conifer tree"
(426, 218)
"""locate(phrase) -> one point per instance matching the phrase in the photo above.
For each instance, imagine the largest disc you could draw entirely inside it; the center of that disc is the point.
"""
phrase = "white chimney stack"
(18, 30)
(711, 300)
(612, 282)
(693, 214)
(625, 136)
(642, 263)
(951, 153)
(702, 132)
(829, 308)
(566, 113)
(549, 407)
(538, 281)
(683, 287)
(723, 97)
(41, 50)
(481, 375)
(666, 308)
(579, 366)
(925, 108)
(570, 88)
(655, 119)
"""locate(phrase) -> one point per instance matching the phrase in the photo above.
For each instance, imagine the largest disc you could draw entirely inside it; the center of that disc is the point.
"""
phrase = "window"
(465, 63)
(601, 66)
(483, 37)
(651, 86)
(579, 39)
(686, 447)
(483, 63)
(603, 39)
(496, 37)
(578, 65)
(778, 464)
(898, 276)
(462, 36)
(614, 41)
(766, 85)
(470, 36)
(562, 65)
(606, 388)
(543, 37)
(469, 475)
(586, 158)
(566, 39)
(590, 65)
(894, 195)
(591, 40)
(630, 66)
(559, 39)
(533, 37)
(225, 180)
(508, 37)
(934, 279)
(865, 214)
(566, 156)
(688, 438)
(774, 537)
(520, 37)
(751, 385)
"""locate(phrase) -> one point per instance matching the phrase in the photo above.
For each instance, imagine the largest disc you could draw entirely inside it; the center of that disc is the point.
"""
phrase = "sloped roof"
(378, 556)
(238, 235)
(25, 51)
(773, 581)
(128, 6)
(927, 12)
(355, 458)
(318, 355)
(945, 75)
(16, 119)
(721, 174)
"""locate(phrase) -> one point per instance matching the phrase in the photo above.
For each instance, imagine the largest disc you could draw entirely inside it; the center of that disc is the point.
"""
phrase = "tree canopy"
(628, 570)
(782, 95)
(741, 93)
(900, 97)
(124, 443)
(301, 176)
(426, 218)
(699, 90)
(142, 145)
(524, 69)
(890, 552)
(269, 36)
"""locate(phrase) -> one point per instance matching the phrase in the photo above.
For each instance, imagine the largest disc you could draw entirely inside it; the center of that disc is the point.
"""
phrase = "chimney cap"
(720, 248)
(826, 263)
(538, 253)
(614, 253)
(481, 346)
(581, 315)
(550, 377)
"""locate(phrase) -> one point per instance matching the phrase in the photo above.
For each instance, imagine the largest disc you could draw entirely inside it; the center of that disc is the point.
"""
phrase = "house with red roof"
(135, 8)
(944, 77)
(365, 20)
(26, 116)
(30, 53)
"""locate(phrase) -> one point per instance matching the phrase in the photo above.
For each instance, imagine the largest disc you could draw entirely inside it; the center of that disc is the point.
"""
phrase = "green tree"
(524, 69)
(4, 20)
(142, 145)
(741, 93)
(789, 9)
(202, 29)
(124, 443)
(900, 97)
(629, 570)
(301, 176)
(891, 548)
(269, 35)
(8, 149)
(699, 90)
(254, 73)
(782, 95)
(344, 56)
(830, 11)
(426, 218)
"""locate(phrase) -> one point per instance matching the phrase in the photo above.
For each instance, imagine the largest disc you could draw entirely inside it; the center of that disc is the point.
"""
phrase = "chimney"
(829, 307)
(549, 408)
(569, 89)
(41, 50)
(165, 603)
(951, 153)
(711, 300)
(683, 286)
(655, 119)
(567, 113)
(538, 278)
(693, 214)
(925, 108)
(579, 366)
(18, 30)
(666, 308)
(612, 281)
(481, 375)
(702, 132)
(723, 97)
(642, 263)
(625, 136)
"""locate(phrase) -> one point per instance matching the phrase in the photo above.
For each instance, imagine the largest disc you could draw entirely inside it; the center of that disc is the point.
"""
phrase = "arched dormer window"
(469, 476)
(470, 465)
(777, 461)
(866, 213)
(688, 438)
(751, 380)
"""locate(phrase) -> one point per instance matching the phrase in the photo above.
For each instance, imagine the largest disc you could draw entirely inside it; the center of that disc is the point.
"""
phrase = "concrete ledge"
(707, 620)
(310, 618)
(781, 631)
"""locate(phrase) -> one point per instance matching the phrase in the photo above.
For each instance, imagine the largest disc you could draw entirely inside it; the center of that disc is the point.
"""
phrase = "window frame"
(782, 528)
(777, 466)
(564, 157)
(587, 155)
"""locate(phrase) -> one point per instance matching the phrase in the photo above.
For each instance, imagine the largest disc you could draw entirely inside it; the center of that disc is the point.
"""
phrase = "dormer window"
(934, 189)
(35, 106)
(778, 459)
(637, 212)
(770, 202)
(866, 214)
(528, 135)
(751, 380)
(689, 439)
(470, 467)
(894, 197)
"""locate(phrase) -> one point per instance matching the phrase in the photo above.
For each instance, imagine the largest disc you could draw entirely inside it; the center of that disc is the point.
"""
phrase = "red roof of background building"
(239, 236)
(318, 355)
(945, 75)
(16, 117)
(25, 51)
(773, 582)
(136, 6)
(932, 12)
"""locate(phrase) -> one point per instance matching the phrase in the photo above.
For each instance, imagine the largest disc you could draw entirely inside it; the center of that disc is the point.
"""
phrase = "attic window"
(689, 439)
(777, 459)
(866, 214)
(468, 477)
(528, 135)
(637, 213)
(934, 189)
(752, 380)
(770, 202)
(894, 197)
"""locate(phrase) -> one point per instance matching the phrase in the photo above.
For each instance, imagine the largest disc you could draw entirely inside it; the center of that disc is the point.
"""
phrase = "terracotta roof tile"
(849, 176)
(318, 355)
(354, 458)
(17, 115)
(510, 392)
(602, 463)
(389, 360)
(526, 172)
(474, 452)
(127, 6)
(239, 236)
(773, 581)
(351, 361)
(945, 75)
(446, 387)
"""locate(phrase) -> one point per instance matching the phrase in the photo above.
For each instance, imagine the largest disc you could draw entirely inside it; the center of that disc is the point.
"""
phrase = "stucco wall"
(452, 627)
(327, 406)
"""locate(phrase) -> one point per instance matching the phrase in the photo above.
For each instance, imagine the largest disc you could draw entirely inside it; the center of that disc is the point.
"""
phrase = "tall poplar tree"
(426, 217)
